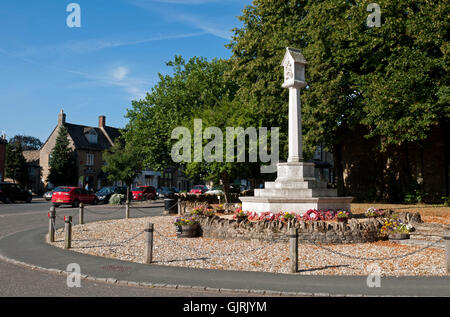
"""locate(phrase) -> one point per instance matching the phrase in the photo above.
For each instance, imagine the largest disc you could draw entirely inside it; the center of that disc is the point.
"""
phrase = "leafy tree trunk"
(16, 166)
(226, 187)
(338, 170)
(407, 181)
(447, 161)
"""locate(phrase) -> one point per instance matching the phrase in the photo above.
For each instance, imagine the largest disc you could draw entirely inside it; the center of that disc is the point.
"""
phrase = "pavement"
(24, 246)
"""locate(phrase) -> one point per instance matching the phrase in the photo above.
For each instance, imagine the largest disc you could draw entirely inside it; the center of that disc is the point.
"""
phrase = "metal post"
(51, 224)
(81, 214)
(68, 231)
(148, 253)
(447, 249)
(127, 210)
(179, 206)
(293, 250)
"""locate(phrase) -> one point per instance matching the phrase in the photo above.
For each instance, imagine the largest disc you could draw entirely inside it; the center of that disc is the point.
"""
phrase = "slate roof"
(32, 157)
(77, 133)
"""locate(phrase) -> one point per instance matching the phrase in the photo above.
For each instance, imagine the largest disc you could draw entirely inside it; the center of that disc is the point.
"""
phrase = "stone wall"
(356, 231)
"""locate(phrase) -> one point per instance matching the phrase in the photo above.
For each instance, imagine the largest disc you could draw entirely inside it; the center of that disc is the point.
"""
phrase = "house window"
(91, 136)
(90, 159)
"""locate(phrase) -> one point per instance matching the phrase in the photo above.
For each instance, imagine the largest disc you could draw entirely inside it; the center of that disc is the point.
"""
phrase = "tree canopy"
(389, 83)
(63, 168)
(28, 143)
(122, 163)
(195, 85)
(16, 166)
(391, 79)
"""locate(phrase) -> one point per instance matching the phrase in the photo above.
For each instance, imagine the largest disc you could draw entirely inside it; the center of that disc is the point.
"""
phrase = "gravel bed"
(105, 238)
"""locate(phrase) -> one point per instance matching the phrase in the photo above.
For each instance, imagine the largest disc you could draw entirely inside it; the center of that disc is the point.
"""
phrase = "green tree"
(389, 81)
(222, 169)
(62, 161)
(16, 166)
(258, 47)
(29, 143)
(194, 85)
(122, 163)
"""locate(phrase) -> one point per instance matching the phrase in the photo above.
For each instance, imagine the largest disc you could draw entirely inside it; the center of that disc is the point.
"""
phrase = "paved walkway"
(30, 247)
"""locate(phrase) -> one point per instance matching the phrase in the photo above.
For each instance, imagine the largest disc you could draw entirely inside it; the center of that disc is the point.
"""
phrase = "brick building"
(373, 175)
(88, 144)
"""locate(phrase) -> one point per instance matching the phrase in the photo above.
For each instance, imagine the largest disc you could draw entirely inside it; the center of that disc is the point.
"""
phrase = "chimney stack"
(101, 121)
(61, 117)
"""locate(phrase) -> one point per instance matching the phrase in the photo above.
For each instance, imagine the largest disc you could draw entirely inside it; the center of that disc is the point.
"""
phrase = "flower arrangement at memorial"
(342, 214)
(374, 212)
(287, 216)
(311, 215)
(262, 216)
(209, 212)
(198, 210)
(325, 215)
(393, 225)
(240, 214)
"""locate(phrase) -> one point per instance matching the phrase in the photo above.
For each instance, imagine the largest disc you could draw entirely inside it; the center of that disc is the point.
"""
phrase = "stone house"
(3, 143)
(34, 171)
(88, 144)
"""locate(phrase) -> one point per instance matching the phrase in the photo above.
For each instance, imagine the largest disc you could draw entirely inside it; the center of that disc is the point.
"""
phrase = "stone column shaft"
(295, 126)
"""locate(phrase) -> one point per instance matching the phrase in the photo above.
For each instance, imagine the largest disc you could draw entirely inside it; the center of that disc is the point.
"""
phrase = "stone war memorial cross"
(296, 189)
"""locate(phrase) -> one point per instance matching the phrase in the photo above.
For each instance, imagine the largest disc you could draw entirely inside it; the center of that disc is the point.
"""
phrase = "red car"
(144, 193)
(73, 196)
(198, 189)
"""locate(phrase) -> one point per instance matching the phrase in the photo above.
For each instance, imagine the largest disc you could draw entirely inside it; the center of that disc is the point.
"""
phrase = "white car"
(215, 191)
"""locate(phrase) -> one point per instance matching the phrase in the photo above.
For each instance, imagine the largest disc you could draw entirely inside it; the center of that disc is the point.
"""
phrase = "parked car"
(48, 195)
(216, 190)
(104, 194)
(167, 192)
(198, 189)
(10, 192)
(66, 195)
(237, 189)
(144, 193)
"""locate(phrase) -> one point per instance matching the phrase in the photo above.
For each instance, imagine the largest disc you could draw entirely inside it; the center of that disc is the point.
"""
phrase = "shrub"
(117, 199)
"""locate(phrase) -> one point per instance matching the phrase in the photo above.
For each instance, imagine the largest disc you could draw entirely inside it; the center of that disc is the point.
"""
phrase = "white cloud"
(185, 2)
(120, 73)
(219, 26)
(118, 77)
(215, 29)
(92, 45)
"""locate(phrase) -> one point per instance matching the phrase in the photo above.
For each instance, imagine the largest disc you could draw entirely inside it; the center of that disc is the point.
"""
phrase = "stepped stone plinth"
(296, 189)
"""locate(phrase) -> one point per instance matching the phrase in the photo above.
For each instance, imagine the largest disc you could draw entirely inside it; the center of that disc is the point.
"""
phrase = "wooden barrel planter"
(187, 231)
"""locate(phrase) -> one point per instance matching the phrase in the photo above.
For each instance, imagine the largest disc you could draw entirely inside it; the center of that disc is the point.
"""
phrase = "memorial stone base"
(295, 190)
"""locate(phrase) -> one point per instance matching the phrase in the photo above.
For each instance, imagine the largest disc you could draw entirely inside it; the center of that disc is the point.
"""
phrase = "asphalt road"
(19, 281)
(22, 234)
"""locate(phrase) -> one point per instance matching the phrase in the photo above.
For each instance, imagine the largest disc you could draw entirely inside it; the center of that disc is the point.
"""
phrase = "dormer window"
(91, 136)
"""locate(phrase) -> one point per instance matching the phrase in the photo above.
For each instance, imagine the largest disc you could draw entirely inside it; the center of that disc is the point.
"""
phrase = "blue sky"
(97, 69)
